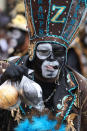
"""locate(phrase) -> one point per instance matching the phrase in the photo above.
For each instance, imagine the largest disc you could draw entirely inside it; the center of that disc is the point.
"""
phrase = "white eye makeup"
(43, 50)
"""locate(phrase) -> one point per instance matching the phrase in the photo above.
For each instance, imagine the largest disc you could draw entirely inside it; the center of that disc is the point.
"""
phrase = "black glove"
(14, 73)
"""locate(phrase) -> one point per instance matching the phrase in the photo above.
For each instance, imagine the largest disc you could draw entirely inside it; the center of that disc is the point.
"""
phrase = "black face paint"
(48, 59)
(58, 51)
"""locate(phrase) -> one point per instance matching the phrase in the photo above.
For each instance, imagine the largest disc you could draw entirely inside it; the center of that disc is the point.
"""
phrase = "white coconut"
(8, 96)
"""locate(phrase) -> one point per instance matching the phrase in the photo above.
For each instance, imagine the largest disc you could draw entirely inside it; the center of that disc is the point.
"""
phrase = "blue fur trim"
(39, 124)
(62, 128)
(24, 126)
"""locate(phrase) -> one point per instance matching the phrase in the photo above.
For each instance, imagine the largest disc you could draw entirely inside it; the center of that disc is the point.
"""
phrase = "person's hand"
(14, 73)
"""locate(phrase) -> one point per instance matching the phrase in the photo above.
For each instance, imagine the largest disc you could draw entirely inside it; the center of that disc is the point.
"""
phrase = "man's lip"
(49, 67)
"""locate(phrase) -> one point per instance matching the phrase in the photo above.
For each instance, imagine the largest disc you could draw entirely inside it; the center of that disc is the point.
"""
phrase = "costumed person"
(56, 93)
(79, 49)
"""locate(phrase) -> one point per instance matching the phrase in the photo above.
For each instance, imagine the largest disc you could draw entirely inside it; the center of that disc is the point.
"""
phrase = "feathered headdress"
(53, 20)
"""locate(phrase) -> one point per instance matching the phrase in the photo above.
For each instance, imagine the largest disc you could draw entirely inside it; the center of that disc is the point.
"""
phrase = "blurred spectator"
(4, 20)
(13, 32)
(17, 32)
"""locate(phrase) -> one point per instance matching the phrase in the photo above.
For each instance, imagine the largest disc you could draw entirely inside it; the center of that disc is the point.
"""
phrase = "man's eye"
(43, 52)
(59, 53)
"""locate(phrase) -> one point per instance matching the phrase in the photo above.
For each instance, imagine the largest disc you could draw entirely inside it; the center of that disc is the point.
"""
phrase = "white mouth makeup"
(50, 69)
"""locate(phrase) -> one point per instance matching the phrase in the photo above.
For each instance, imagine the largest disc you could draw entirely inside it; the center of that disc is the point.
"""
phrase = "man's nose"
(51, 56)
